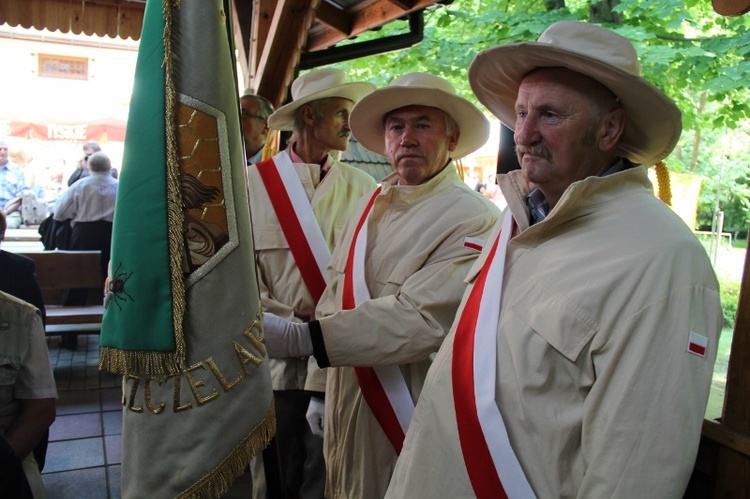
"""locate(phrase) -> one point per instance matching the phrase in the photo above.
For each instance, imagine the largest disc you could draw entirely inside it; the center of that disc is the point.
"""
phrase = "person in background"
(12, 184)
(254, 112)
(89, 204)
(324, 192)
(27, 391)
(18, 278)
(82, 171)
(580, 362)
(395, 278)
(18, 274)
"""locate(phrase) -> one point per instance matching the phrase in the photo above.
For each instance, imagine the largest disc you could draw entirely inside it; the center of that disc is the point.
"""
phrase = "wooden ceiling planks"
(113, 18)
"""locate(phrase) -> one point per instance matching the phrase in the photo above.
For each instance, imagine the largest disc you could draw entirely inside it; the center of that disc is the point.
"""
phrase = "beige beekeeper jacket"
(281, 286)
(416, 262)
(594, 381)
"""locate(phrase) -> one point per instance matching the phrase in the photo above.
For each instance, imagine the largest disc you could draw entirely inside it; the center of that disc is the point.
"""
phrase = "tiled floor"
(83, 457)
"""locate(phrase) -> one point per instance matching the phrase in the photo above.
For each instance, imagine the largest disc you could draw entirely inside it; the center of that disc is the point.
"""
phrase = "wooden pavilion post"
(733, 464)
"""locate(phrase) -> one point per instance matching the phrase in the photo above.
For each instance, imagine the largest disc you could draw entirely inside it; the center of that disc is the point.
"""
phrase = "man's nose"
(526, 132)
(409, 137)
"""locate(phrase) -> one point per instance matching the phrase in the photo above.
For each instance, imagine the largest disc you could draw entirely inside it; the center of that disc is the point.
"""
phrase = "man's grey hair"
(92, 145)
(450, 123)
(99, 162)
(266, 108)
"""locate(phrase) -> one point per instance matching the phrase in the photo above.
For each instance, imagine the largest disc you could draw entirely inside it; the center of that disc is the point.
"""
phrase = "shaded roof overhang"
(272, 36)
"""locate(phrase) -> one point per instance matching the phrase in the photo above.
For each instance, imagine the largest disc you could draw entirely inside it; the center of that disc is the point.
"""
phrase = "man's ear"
(611, 129)
(308, 115)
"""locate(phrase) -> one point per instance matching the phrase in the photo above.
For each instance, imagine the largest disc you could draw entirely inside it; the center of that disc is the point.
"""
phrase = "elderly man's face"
(331, 129)
(417, 143)
(254, 129)
(558, 130)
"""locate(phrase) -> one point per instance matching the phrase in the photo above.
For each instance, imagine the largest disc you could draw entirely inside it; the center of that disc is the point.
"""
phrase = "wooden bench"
(59, 270)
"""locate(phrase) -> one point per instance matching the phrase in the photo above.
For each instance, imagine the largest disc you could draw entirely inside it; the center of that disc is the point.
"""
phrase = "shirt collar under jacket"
(538, 206)
(297, 159)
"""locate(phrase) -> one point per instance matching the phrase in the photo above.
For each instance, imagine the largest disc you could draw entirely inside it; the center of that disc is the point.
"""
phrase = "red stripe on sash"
(290, 226)
(479, 463)
(369, 384)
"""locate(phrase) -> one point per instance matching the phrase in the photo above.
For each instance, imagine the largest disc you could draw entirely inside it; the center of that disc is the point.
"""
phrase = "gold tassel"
(662, 181)
(271, 147)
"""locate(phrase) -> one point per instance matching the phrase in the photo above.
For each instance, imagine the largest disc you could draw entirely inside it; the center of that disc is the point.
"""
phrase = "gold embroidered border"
(218, 481)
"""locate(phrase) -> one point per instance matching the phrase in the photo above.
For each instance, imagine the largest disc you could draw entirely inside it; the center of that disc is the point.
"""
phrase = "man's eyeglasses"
(256, 116)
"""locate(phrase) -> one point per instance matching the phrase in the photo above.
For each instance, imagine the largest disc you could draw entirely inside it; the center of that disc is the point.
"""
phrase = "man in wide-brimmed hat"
(395, 279)
(300, 200)
(580, 362)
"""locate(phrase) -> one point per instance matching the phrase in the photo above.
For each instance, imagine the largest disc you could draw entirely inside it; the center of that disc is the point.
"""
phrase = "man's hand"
(316, 416)
(286, 338)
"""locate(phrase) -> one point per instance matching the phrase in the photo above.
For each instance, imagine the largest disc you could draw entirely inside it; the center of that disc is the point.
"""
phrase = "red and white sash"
(298, 222)
(492, 465)
(383, 387)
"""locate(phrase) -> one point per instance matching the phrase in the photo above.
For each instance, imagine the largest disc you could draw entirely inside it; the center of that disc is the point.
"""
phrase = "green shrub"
(730, 295)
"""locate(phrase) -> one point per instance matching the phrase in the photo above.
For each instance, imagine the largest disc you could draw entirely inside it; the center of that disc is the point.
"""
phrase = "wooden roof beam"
(281, 48)
(372, 16)
(334, 18)
(404, 5)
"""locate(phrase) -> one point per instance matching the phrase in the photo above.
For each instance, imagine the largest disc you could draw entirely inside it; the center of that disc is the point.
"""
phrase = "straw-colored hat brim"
(654, 122)
(283, 118)
(366, 118)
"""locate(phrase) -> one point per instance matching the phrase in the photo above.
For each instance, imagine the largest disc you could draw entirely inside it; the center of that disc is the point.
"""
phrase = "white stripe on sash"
(485, 373)
(390, 377)
(303, 210)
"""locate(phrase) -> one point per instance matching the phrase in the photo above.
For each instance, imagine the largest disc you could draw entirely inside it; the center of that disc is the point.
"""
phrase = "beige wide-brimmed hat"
(418, 89)
(654, 122)
(319, 84)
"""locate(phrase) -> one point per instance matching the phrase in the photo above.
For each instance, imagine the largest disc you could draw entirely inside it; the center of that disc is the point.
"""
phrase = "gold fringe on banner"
(663, 183)
(175, 216)
(115, 360)
(218, 481)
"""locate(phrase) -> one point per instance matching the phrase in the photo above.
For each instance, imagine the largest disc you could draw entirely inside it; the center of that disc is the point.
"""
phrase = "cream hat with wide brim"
(418, 89)
(654, 123)
(320, 84)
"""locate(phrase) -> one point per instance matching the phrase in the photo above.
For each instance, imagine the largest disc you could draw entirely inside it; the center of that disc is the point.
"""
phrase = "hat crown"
(317, 81)
(594, 42)
(423, 80)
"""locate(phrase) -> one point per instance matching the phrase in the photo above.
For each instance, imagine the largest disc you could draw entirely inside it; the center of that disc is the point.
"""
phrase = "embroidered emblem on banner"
(697, 344)
(474, 243)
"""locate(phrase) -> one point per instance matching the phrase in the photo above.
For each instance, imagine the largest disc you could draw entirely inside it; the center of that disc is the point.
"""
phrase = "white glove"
(316, 411)
(286, 338)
